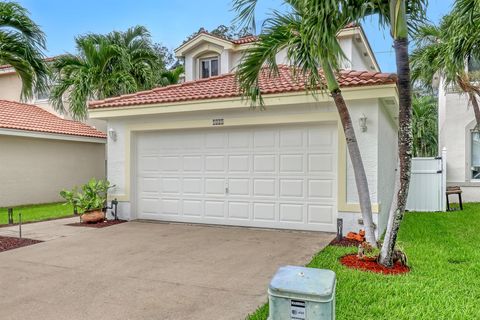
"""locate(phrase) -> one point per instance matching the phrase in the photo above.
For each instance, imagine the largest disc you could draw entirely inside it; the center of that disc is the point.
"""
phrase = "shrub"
(90, 197)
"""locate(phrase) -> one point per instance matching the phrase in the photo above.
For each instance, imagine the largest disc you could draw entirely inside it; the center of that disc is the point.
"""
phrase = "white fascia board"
(51, 136)
(271, 100)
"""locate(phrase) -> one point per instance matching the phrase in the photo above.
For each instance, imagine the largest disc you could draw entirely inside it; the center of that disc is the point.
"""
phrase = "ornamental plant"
(90, 197)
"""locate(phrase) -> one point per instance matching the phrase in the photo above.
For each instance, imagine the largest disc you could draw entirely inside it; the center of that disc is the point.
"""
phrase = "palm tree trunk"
(355, 155)
(400, 33)
(476, 108)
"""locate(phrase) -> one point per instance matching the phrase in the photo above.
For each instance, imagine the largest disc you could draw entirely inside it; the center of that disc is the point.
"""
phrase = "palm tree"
(400, 16)
(21, 46)
(171, 76)
(300, 31)
(105, 66)
(398, 20)
(446, 50)
(424, 126)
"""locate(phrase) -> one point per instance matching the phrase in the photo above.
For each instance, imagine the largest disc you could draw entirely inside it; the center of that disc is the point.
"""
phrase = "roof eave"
(388, 90)
(50, 135)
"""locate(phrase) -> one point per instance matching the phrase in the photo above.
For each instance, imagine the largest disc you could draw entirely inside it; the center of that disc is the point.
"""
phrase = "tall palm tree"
(399, 16)
(300, 32)
(105, 66)
(399, 29)
(21, 45)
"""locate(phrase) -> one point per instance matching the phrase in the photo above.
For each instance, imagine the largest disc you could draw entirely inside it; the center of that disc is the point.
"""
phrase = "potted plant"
(90, 200)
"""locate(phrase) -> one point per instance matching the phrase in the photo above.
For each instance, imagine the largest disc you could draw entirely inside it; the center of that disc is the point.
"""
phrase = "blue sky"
(170, 22)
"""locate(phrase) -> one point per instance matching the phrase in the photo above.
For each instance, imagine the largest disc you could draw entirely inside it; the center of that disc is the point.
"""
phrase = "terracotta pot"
(93, 216)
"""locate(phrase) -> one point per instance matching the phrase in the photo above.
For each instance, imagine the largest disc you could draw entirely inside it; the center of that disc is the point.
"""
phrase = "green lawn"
(37, 212)
(444, 283)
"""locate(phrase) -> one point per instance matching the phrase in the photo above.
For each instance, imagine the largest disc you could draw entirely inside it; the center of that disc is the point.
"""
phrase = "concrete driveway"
(140, 270)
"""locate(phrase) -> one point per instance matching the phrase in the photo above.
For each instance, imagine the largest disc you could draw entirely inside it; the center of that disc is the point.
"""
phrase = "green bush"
(90, 197)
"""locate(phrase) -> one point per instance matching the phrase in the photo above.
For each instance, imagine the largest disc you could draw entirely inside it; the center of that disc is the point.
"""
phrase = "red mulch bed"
(370, 264)
(9, 243)
(103, 224)
(344, 242)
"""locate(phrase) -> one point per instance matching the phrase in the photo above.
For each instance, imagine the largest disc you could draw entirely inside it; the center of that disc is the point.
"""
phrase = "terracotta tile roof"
(225, 86)
(21, 116)
(253, 38)
(246, 39)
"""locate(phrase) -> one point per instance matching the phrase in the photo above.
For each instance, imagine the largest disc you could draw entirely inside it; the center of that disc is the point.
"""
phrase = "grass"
(37, 212)
(444, 283)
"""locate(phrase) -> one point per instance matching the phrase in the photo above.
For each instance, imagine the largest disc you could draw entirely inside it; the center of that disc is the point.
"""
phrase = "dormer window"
(209, 67)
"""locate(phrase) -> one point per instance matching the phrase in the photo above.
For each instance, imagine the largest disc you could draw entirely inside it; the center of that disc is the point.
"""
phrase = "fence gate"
(428, 184)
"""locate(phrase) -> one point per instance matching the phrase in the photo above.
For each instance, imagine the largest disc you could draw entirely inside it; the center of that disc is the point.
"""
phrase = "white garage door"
(271, 177)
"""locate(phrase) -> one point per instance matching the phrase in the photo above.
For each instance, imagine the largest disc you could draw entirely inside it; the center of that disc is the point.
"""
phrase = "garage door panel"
(238, 139)
(149, 205)
(265, 139)
(239, 210)
(264, 187)
(320, 214)
(215, 140)
(148, 163)
(215, 186)
(192, 185)
(214, 209)
(150, 185)
(292, 138)
(193, 163)
(291, 188)
(264, 211)
(321, 136)
(238, 187)
(290, 212)
(291, 163)
(192, 208)
(320, 188)
(214, 163)
(239, 163)
(171, 185)
(170, 206)
(278, 177)
(170, 163)
(264, 163)
(321, 163)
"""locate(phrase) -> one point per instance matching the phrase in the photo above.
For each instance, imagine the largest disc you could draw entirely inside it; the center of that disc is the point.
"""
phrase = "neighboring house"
(457, 133)
(11, 88)
(196, 152)
(41, 154)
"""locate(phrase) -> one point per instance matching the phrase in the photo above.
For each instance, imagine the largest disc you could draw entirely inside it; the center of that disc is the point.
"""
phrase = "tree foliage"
(425, 126)
(105, 66)
(447, 50)
(231, 32)
(21, 45)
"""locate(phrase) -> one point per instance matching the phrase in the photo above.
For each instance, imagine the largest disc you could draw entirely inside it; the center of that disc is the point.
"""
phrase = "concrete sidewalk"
(45, 230)
(139, 270)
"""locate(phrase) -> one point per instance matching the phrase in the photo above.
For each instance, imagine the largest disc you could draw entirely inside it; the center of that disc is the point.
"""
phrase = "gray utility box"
(298, 293)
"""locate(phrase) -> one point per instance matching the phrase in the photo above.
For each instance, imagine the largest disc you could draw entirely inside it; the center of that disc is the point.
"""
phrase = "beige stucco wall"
(11, 89)
(34, 170)
(456, 119)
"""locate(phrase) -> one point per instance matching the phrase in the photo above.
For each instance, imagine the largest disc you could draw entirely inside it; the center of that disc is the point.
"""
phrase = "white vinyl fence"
(428, 184)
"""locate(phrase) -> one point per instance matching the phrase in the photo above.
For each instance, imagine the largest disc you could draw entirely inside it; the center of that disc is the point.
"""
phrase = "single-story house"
(41, 154)
(196, 152)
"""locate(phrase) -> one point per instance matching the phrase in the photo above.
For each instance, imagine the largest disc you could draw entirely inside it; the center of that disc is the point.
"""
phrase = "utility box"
(298, 293)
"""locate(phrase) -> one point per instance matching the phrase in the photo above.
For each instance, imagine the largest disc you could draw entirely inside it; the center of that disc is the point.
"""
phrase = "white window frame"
(200, 73)
(472, 178)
